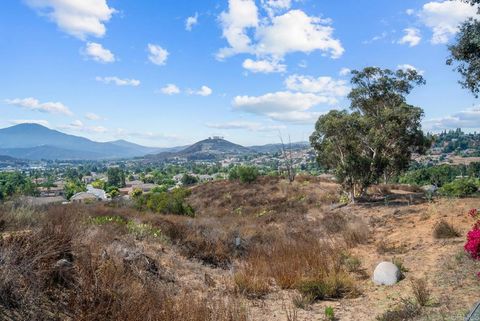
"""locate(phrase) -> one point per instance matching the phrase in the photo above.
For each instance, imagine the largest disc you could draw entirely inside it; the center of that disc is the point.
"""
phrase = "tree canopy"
(466, 53)
(374, 141)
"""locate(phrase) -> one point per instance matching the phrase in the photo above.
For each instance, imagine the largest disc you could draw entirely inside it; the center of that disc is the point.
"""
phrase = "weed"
(421, 291)
(329, 313)
(399, 263)
(444, 230)
(302, 302)
(403, 312)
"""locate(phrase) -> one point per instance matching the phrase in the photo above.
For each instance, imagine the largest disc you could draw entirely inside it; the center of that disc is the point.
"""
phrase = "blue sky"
(165, 73)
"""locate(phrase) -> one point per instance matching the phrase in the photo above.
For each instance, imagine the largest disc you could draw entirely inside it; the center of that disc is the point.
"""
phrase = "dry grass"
(405, 311)
(356, 232)
(302, 265)
(444, 230)
(421, 291)
(64, 268)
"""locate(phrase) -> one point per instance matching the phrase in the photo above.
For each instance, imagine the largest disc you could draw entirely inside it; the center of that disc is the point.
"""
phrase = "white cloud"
(120, 133)
(34, 104)
(444, 18)
(412, 37)
(92, 116)
(203, 91)
(275, 36)
(30, 121)
(381, 36)
(283, 105)
(78, 18)
(264, 66)
(119, 81)
(345, 72)
(410, 12)
(98, 53)
(79, 126)
(406, 67)
(466, 119)
(241, 15)
(274, 6)
(170, 89)
(245, 125)
(157, 54)
(191, 21)
(295, 31)
(325, 86)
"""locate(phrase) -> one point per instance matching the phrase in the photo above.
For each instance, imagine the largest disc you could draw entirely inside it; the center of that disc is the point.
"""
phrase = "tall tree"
(465, 52)
(115, 177)
(376, 140)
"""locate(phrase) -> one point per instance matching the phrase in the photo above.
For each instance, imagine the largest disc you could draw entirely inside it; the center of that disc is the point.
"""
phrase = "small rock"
(63, 264)
(386, 273)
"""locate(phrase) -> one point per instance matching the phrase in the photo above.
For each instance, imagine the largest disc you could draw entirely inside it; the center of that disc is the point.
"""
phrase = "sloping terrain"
(248, 252)
(208, 149)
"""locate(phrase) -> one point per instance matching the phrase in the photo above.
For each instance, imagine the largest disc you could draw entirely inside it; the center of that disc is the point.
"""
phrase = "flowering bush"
(472, 247)
(473, 244)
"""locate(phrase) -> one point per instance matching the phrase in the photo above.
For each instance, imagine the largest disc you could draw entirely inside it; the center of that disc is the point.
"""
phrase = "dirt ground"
(407, 229)
(404, 226)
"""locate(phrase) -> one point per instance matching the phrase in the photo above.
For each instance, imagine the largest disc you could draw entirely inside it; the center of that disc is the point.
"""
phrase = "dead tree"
(288, 159)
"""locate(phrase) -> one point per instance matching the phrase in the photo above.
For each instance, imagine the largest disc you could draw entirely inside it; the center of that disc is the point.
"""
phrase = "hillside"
(244, 256)
(456, 141)
(32, 141)
(208, 149)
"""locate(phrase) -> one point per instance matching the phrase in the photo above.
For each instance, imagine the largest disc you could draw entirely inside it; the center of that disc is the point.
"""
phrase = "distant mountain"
(33, 141)
(6, 161)
(208, 149)
(4, 158)
(275, 148)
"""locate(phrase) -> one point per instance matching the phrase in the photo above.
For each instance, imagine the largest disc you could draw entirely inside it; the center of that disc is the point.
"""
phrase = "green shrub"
(332, 286)
(459, 188)
(188, 180)
(246, 174)
(102, 220)
(173, 202)
(142, 231)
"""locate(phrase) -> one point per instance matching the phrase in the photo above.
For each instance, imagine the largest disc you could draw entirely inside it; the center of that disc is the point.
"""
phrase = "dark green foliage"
(188, 180)
(246, 174)
(459, 188)
(173, 202)
(116, 177)
(435, 175)
(466, 53)
(15, 183)
(376, 140)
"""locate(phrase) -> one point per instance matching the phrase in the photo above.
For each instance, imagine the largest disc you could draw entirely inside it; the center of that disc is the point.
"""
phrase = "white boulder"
(386, 273)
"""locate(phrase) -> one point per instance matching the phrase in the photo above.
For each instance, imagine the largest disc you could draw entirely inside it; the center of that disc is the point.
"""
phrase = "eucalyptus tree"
(465, 52)
(376, 140)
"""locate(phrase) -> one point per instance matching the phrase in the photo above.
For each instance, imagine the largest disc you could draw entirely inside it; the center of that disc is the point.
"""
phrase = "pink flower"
(472, 246)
